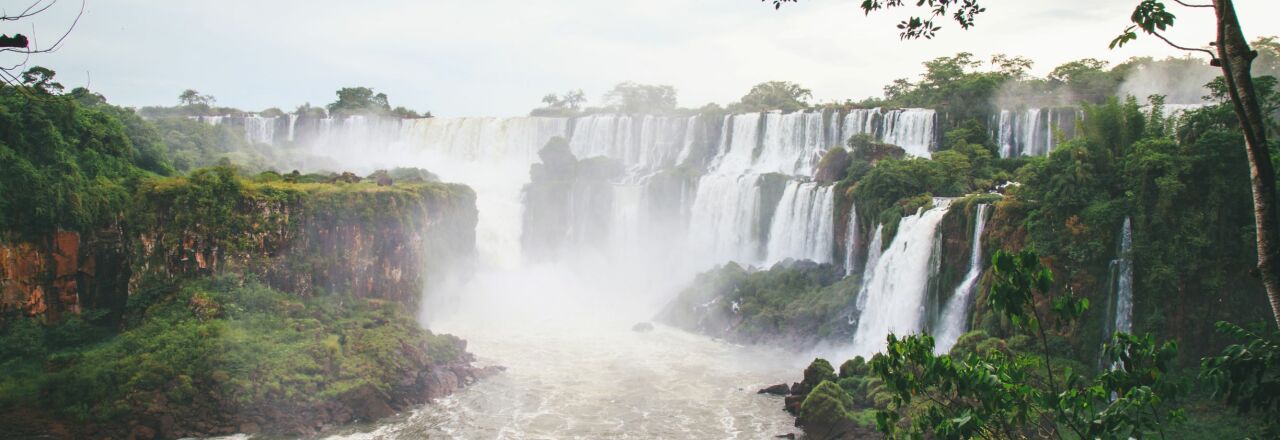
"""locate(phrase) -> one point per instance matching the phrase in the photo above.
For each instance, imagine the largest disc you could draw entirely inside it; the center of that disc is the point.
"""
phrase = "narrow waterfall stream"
(955, 317)
(1123, 321)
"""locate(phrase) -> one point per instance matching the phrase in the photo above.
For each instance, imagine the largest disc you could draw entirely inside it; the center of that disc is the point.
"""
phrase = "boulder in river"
(778, 390)
(642, 327)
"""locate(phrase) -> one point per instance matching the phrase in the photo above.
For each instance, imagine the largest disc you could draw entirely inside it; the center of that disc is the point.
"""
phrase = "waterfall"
(896, 290)
(1124, 282)
(260, 130)
(293, 123)
(1004, 133)
(860, 121)
(211, 120)
(793, 143)
(1032, 131)
(955, 318)
(725, 221)
(851, 242)
(738, 144)
(803, 224)
(912, 129)
(874, 250)
(752, 202)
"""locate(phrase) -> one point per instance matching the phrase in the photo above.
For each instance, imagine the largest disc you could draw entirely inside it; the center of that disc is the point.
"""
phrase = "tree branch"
(1191, 5)
(1188, 49)
(28, 12)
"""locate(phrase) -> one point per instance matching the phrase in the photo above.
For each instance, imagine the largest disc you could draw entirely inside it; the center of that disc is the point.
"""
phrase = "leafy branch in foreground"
(1003, 394)
(1247, 375)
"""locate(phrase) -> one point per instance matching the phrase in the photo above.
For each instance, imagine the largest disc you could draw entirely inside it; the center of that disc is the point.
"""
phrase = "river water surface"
(576, 369)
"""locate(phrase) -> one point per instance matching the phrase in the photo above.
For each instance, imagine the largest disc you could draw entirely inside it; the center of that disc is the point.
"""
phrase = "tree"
(776, 95)
(568, 104)
(41, 79)
(190, 97)
(357, 100)
(630, 97)
(1231, 52)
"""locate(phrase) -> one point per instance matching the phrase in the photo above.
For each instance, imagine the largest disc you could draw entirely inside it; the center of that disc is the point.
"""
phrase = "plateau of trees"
(774, 95)
(567, 104)
(635, 98)
(363, 100)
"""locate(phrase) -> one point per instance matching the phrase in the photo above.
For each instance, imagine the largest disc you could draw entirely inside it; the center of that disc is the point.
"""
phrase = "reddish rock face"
(374, 246)
(45, 277)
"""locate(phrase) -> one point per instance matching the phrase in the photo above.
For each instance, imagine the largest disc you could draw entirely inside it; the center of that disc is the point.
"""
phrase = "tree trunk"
(1236, 59)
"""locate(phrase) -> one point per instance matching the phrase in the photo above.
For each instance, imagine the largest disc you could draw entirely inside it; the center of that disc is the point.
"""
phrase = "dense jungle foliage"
(184, 345)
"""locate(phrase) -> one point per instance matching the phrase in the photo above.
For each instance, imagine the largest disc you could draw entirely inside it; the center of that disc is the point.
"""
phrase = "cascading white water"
(741, 137)
(851, 242)
(1033, 131)
(955, 317)
(293, 123)
(912, 129)
(1004, 133)
(896, 290)
(793, 143)
(1124, 281)
(861, 121)
(803, 224)
(260, 130)
(874, 250)
(725, 218)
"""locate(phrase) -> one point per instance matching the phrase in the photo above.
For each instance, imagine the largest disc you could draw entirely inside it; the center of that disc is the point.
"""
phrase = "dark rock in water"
(792, 404)
(788, 435)
(642, 327)
(778, 390)
(796, 388)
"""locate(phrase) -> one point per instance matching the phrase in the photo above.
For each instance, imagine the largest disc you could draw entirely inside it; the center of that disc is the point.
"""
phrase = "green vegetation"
(200, 345)
(221, 268)
(67, 164)
(1025, 386)
(363, 101)
(798, 301)
(630, 97)
(773, 95)
(567, 104)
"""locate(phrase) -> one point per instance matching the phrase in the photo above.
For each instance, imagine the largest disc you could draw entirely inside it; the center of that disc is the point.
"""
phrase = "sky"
(499, 57)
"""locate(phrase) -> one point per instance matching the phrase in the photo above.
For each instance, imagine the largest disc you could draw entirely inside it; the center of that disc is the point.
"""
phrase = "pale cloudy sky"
(498, 57)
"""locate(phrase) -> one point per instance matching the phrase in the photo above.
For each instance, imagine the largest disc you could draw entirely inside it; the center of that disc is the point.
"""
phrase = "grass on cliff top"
(262, 186)
(212, 343)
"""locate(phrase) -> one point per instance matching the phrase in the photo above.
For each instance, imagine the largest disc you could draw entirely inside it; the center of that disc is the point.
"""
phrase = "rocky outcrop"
(834, 166)
(567, 201)
(383, 242)
(794, 304)
(61, 273)
(370, 242)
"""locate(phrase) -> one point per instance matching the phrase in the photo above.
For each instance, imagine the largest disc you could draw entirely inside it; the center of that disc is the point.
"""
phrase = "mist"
(1179, 80)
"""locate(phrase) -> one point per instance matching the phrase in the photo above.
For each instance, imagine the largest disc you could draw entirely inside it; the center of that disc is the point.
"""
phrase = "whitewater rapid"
(576, 370)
